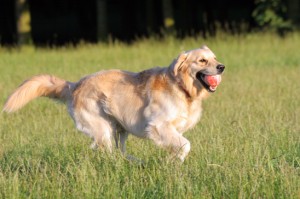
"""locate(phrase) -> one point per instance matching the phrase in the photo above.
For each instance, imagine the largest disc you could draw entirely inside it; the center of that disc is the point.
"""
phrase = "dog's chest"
(187, 117)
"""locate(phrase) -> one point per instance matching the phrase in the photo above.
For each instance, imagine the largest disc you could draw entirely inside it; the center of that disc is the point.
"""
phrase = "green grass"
(247, 144)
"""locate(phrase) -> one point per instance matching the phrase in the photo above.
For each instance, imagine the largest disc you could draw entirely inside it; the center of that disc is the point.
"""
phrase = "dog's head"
(197, 70)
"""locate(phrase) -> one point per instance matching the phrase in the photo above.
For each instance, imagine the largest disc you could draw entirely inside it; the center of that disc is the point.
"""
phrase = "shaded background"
(57, 22)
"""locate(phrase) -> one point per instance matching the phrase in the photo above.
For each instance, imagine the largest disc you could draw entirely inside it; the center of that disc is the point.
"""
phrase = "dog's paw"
(135, 160)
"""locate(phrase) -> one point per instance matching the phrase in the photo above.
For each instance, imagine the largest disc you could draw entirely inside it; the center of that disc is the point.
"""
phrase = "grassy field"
(247, 144)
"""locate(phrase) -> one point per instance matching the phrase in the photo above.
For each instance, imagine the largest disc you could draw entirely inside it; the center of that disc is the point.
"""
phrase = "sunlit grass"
(247, 144)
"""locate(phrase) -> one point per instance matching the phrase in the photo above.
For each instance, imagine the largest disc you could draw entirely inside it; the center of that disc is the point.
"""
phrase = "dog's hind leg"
(166, 136)
(99, 127)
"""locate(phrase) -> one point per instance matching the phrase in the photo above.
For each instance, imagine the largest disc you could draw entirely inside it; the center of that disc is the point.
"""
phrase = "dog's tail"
(38, 86)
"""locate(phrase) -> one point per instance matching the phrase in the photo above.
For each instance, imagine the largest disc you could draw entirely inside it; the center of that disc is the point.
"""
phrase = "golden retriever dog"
(159, 103)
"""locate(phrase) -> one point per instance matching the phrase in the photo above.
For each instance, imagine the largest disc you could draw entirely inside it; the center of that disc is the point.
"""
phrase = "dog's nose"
(220, 68)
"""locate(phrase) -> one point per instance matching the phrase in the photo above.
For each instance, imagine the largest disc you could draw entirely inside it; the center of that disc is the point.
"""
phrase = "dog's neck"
(185, 91)
(178, 82)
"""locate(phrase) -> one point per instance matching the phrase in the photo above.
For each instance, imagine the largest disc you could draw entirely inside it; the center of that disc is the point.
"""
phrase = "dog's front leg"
(123, 138)
(166, 136)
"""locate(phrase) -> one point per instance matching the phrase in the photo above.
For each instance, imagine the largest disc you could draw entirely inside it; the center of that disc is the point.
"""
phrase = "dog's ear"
(179, 62)
(205, 47)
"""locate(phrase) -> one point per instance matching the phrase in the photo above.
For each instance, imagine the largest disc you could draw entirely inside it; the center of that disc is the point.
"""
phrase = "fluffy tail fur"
(37, 86)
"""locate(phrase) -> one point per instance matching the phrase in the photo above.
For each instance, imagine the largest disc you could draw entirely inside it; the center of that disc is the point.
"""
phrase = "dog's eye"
(202, 60)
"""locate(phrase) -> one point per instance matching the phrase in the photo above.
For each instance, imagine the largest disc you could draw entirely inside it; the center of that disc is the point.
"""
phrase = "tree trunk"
(101, 20)
(293, 11)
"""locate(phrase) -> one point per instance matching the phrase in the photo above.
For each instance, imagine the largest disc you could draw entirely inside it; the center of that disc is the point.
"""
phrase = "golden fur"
(159, 104)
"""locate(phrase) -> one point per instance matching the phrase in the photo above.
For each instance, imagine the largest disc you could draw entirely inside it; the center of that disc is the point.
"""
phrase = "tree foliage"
(272, 14)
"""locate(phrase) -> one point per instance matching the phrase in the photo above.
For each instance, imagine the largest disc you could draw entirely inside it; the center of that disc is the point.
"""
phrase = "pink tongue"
(212, 80)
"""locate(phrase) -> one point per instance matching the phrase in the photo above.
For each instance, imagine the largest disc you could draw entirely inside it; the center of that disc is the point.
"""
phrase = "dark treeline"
(70, 21)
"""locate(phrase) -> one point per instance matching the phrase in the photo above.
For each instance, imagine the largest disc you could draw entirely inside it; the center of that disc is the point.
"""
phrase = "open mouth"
(210, 82)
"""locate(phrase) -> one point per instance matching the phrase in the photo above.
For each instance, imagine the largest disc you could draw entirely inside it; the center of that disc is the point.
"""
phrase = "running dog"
(159, 103)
